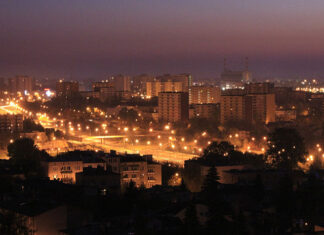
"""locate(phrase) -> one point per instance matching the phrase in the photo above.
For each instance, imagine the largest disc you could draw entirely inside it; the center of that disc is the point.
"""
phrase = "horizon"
(93, 39)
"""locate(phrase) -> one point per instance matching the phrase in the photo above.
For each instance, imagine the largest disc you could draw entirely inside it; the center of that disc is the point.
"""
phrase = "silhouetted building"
(67, 88)
(316, 105)
(259, 88)
(121, 82)
(96, 86)
(139, 83)
(208, 111)
(235, 79)
(21, 84)
(100, 178)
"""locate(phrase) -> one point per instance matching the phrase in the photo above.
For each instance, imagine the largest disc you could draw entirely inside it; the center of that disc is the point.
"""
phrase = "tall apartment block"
(262, 101)
(205, 95)
(178, 82)
(234, 106)
(66, 88)
(121, 82)
(254, 104)
(21, 84)
(173, 106)
(154, 88)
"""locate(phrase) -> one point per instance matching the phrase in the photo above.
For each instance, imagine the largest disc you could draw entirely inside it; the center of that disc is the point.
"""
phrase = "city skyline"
(93, 39)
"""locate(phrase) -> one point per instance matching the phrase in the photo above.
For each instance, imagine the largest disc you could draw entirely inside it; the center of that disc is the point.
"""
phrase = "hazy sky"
(94, 38)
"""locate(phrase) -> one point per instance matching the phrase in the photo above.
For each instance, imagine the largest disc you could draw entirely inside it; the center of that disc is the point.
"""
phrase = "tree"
(219, 149)
(128, 115)
(191, 223)
(211, 183)
(258, 189)
(13, 224)
(285, 204)
(29, 126)
(285, 148)
(26, 156)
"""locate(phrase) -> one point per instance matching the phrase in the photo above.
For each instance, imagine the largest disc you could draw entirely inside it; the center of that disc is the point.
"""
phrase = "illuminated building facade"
(154, 88)
(139, 169)
(234, 107)
(65, 168)
(255, 104)
(173, 106)
(205, 95)
(11, 122)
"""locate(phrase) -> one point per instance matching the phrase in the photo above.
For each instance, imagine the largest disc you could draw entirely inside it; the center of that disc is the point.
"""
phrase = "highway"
(105, 142)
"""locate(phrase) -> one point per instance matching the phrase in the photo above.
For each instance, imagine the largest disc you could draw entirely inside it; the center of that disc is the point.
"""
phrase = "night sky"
(96, 38)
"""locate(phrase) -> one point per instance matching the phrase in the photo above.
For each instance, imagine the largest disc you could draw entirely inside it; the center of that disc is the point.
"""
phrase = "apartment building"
(142, 170)
(173, 106)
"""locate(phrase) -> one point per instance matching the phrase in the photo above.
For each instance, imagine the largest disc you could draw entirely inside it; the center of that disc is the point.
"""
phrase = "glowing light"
(167, 127)
(311, 157)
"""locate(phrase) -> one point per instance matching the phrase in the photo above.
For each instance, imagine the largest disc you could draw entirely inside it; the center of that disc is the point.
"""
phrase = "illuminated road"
(107, 142)
(10, 109)
(158, 153)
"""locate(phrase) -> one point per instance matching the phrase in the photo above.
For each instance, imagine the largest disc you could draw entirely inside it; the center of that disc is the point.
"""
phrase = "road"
(107, 142)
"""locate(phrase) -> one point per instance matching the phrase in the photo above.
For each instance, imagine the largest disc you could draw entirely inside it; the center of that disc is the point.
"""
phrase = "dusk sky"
(96, 38)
